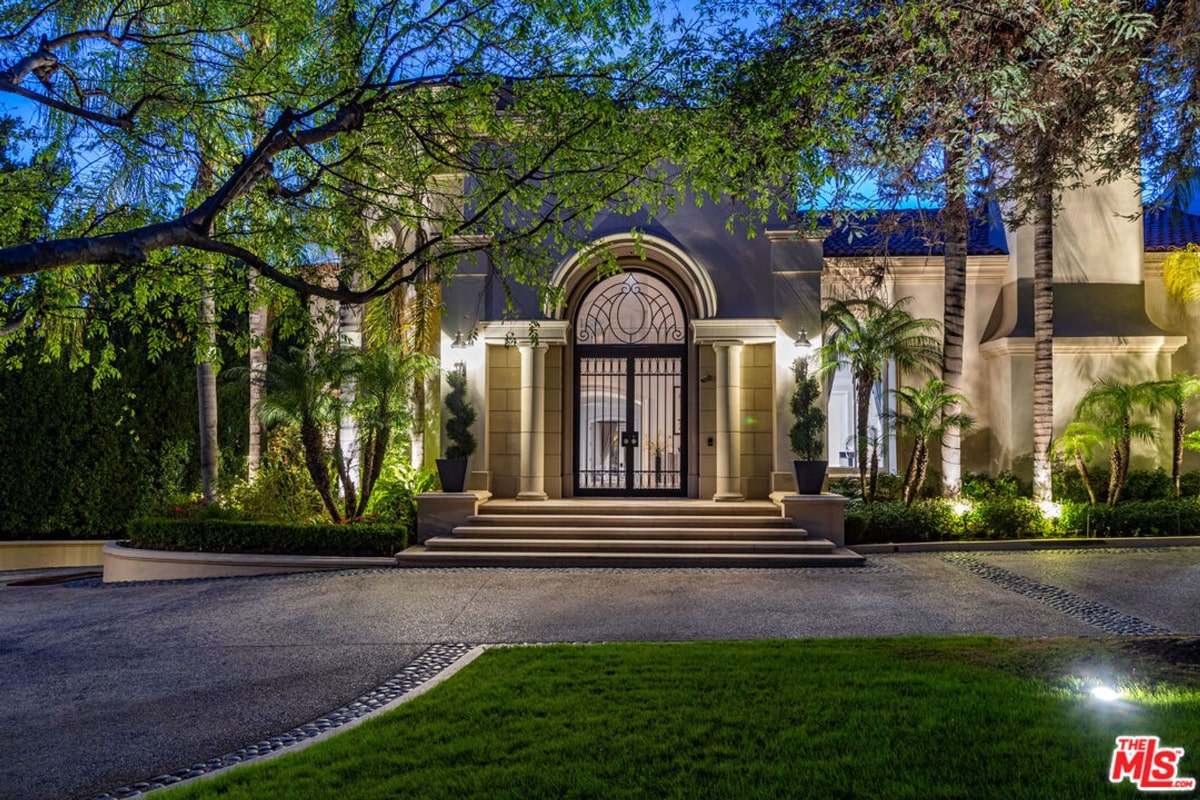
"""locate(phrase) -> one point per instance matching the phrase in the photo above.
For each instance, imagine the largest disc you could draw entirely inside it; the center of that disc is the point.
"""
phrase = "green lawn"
(878, 718)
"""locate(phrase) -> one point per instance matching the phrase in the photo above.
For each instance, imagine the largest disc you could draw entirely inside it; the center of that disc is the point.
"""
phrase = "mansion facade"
(673, 378)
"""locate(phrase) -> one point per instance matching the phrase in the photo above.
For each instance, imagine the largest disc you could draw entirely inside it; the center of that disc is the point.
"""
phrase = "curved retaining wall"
(51, 553)
(123, 564)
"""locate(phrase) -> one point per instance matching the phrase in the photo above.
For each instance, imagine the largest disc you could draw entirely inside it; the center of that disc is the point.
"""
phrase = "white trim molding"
(744, 331)
(1087, 345)
(778, 235)
(518, 331)
(646, 249)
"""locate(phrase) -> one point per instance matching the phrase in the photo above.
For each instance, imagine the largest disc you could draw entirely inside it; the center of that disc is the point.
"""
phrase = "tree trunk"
(922, 466)
(862, 399)
(1180, 429)
(910, 476)
(349, 494)
(1114, 478)
(1043, 347)
(954, 314)
(1087, 479)
(373, 455)
(1126, 439)
(206, 390)
(311, 438)
(258, 373)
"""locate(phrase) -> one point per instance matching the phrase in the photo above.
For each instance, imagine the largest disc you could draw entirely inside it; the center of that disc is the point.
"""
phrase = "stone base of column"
(532, 495)
(728, 497)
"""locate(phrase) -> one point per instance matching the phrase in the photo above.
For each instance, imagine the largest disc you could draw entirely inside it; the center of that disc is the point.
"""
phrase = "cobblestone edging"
(1107, 619)
(420, 670)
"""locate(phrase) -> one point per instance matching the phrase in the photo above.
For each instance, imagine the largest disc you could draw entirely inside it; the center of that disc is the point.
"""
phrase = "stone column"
(729, 414)
(533, 422)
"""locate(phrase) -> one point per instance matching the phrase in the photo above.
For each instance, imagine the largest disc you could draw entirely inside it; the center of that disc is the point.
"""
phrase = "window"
(841, 426)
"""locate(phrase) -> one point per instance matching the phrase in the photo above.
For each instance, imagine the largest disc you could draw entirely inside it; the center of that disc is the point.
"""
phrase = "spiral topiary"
(462, 416)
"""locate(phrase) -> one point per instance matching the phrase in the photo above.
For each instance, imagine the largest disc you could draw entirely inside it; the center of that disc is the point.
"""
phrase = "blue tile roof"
(907, 232)
(913, 232)
(1169, 228)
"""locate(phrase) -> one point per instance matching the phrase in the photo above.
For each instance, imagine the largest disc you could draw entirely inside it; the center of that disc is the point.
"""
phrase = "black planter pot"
(810, 475)
(452, 472)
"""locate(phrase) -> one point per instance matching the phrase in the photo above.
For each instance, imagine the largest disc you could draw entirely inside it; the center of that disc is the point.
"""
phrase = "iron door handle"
(629, 439)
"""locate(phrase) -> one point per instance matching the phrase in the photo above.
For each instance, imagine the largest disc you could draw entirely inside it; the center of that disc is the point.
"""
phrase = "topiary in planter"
(807, 431)
(452, 470)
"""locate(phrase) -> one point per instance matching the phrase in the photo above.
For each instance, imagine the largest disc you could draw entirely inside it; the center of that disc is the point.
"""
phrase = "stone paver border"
(1106, 618)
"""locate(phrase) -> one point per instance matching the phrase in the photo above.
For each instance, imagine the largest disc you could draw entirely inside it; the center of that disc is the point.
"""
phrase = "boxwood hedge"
(238, 536)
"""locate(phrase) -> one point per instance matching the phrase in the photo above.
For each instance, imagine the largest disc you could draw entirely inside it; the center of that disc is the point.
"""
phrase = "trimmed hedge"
(1001, 517)
(237, 536)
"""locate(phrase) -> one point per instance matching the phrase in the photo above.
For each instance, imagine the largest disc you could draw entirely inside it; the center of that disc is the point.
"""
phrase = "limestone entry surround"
(525, 371)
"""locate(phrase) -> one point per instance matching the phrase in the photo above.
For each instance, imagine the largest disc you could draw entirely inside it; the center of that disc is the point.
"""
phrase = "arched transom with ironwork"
(630, 308)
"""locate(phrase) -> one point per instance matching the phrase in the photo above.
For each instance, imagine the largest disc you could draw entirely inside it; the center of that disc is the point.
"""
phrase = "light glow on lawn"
(1105, 694)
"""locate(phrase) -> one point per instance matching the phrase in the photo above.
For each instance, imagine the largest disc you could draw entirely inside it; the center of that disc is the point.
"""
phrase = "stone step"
(650, 545)
(632, 520)
(631, 507)
(627, 532)
(423, 557)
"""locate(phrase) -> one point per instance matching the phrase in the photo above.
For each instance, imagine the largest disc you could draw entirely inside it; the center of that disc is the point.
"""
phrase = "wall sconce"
(802, 344)
(459, 343)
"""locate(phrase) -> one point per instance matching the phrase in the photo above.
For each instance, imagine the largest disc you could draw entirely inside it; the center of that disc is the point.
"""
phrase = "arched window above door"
(631, 308)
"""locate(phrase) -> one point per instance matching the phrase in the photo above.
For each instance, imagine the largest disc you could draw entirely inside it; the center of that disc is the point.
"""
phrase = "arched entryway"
(630, 388)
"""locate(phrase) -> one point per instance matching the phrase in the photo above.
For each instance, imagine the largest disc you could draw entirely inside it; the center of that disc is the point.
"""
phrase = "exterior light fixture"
(459, 343)
(1105, 694)
(1050, 509)
(802, 344)
(960, 507)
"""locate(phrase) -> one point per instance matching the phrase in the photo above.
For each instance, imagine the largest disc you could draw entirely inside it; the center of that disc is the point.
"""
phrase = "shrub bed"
(237, 536)
(1003, 517)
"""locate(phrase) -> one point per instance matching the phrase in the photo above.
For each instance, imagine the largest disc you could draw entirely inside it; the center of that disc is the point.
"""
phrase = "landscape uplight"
(1105, 694)
(1050, 509)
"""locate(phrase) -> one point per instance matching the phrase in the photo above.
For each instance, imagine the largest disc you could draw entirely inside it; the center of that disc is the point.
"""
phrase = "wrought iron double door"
(630, 420)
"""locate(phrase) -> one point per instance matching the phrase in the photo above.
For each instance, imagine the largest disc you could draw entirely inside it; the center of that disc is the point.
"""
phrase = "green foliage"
(867, 333)
(979, 486)
(921, 521)
(165, 486)
(927, 414)
(208, 535)
(79, 461)
(461, 417)
(808, 428)
(1144, 518)
(1006, 518)
(283, 491)
(395, 498)
(1142, 485)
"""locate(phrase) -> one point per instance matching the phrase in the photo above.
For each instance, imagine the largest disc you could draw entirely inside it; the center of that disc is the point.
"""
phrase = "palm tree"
(929, 413)
(1078, 442)
(867, 333)
(383, 374)
(297, 393)
(1111, 407)
(1043, 343)
(1177, 390)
